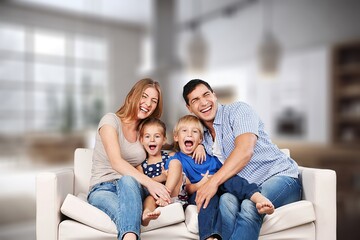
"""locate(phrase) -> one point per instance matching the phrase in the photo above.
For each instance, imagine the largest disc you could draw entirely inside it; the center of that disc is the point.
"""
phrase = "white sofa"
(62, 212)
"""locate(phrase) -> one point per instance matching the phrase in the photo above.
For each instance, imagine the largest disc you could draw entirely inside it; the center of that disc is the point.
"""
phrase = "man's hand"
(205, 193)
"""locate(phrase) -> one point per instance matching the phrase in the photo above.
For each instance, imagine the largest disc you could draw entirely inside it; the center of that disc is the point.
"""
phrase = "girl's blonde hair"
(129, 109)
(189, 119)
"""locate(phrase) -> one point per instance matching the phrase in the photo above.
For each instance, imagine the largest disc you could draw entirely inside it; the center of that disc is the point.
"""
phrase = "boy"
(188, 134)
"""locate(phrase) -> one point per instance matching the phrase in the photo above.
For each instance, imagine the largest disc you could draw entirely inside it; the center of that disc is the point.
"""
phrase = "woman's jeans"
(241, 220)
(121, 199)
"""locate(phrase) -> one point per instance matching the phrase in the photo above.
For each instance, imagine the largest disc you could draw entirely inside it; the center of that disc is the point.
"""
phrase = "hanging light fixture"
(270, 48)
(197, 46)
(197, 52)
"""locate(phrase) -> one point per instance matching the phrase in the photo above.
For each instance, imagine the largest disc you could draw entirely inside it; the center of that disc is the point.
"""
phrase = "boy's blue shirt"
(193, 170)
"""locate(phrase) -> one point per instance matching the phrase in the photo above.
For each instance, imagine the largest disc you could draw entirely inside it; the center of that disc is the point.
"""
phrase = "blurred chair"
(62, 212)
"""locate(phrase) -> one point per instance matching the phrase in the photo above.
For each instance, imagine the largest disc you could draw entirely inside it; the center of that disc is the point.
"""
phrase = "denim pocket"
(104, 186)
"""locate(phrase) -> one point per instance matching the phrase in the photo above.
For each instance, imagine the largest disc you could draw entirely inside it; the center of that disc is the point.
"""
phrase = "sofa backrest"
(82, 169)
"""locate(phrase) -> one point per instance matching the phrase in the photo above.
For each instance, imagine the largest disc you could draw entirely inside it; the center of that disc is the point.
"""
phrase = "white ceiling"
(131, 11)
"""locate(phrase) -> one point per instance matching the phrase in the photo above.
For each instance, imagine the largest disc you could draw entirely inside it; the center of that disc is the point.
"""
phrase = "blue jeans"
(209, 219)
(241, 220)
(121, 200)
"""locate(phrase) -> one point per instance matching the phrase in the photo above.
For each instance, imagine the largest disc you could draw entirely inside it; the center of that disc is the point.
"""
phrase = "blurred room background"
(63, 64)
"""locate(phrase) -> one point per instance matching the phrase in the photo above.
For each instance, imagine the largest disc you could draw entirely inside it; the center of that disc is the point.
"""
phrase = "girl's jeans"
(241, 220)
(121, 199)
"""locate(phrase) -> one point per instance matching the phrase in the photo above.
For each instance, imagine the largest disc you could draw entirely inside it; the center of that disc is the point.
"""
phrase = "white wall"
(306, 30)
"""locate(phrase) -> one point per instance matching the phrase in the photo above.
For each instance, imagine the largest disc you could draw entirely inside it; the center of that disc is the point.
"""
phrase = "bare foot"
(160, 202)
(265, 207)
(148, 215)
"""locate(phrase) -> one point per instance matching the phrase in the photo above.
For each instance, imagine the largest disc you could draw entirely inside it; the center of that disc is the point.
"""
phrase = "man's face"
(202, 103)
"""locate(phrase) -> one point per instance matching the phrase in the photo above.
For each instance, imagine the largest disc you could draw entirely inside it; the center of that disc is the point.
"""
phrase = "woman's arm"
(111, 144)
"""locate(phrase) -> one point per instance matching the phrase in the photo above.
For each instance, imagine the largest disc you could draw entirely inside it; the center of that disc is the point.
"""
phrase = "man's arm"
(237, 160)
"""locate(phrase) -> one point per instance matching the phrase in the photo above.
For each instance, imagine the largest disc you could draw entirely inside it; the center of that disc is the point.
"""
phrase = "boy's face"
(153, 139)
(188, 138)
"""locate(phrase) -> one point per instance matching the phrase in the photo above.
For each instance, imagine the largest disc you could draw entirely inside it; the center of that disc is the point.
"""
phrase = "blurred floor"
(18, 199)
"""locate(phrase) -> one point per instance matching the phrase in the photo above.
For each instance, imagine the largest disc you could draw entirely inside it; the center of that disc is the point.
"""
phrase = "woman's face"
(148, 102)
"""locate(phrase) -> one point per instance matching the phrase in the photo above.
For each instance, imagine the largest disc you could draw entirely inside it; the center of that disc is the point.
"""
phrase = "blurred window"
(47, 43)
(12, 38)
(50, 81)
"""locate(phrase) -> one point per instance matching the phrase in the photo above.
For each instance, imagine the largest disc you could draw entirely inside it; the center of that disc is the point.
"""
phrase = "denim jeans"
(241, 220)
(208, 218)
(121, 200)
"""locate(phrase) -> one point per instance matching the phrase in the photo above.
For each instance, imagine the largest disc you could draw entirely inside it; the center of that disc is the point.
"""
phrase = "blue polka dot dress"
(153, 170)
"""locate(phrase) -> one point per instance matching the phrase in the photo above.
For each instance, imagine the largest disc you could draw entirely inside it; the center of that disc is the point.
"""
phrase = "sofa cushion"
(77, 208)
(191, 219)
(80, 210)
(285, 217)
(288, 216)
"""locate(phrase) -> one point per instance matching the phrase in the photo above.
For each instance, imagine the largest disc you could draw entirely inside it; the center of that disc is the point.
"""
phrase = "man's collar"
(219, 113)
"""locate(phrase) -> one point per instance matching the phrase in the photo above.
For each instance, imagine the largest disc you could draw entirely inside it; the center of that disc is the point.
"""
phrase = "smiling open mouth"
(152, 147)
(206, 109)
(144, 109)
(189, 143)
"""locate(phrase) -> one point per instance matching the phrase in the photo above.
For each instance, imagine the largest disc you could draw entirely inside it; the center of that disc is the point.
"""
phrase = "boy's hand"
(199, 155)
(205, 178)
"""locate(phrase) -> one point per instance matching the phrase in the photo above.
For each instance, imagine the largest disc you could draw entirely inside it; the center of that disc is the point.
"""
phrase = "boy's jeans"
(122, 201)
(208, 219)
(242, 220)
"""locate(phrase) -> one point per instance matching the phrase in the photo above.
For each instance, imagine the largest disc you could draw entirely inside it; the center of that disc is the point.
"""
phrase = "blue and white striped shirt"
(268, 160)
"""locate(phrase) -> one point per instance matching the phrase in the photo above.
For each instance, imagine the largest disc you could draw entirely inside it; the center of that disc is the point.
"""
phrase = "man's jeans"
(122, 201)
(241, 220)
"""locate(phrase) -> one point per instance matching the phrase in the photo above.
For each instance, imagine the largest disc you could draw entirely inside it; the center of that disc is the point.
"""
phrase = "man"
(235, 134)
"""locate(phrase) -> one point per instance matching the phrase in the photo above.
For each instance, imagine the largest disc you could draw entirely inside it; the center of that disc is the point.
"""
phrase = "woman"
(116, 187)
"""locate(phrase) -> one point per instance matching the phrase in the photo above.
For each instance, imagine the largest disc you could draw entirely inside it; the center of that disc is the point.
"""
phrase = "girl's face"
(153, 139)
(148, 102)
(188, 138)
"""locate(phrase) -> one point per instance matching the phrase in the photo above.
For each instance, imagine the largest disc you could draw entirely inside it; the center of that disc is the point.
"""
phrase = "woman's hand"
(158, 190)
(199, 155)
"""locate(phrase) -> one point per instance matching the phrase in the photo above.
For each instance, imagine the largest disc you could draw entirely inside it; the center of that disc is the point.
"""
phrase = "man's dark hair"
(191, 85)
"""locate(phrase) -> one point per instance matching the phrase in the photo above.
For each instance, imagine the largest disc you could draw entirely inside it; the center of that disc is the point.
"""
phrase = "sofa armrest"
(319, 187)
(51, 190)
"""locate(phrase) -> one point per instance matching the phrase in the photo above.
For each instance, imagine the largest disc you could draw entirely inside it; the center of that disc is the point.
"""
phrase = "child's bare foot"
(160, 202)
(148, 215)
(265, 207)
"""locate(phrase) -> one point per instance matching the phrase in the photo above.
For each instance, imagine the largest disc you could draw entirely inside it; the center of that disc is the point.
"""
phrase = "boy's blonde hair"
(185, 120)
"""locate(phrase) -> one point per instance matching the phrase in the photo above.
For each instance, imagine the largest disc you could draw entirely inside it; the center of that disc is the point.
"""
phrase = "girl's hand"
(158, 190)
(162, 177)
(199, 155)
(164, 172)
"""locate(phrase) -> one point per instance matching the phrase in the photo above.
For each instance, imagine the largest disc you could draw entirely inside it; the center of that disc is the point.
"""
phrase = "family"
(224, 163)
